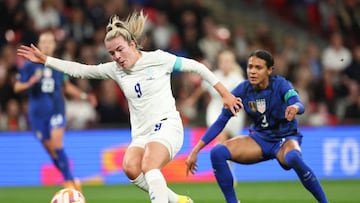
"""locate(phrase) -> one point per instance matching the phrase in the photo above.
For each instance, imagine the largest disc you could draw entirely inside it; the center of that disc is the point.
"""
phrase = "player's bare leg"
(155, 157)
(132, 168)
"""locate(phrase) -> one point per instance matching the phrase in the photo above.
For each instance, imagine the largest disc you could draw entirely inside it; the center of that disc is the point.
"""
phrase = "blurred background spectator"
(316, 45)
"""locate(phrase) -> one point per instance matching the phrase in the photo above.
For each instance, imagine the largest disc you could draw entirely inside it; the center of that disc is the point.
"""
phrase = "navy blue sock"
(56, 163)
(219, 156)
(62, 164)
(306, 175)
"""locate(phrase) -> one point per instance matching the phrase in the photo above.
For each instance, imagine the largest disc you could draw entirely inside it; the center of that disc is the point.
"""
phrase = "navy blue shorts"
(271, 148)
(43, 126)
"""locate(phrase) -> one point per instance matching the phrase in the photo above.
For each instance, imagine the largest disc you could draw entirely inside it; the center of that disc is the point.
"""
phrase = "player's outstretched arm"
(22, 86)
(213, 131)
(229, 100)
(74, 69)
(191, 160)
(32, 53)
(234, 104)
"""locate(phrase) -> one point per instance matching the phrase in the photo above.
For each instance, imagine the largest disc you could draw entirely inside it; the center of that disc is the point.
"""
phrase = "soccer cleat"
(73, 184)
(184, 199)
(69, 184)
(235, 183)
(77, 184)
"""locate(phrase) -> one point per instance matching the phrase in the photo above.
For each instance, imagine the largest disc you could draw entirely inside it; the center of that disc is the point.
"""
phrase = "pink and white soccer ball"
(68, 195)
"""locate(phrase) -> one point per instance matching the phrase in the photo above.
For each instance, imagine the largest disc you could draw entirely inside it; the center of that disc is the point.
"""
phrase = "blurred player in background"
(230, 74)
(47, 108)
(144, 77)
(272, 103)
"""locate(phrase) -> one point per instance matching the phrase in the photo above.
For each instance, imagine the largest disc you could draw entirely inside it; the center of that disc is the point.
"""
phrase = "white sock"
(141, 183)
(157, 186)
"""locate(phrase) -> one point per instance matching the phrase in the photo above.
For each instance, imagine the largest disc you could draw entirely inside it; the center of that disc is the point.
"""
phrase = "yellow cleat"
(184, 199)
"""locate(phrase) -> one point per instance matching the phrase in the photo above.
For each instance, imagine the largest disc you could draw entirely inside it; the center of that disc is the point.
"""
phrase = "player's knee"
(131, 170)
(220, 153)
(284, 166)
(293, 158)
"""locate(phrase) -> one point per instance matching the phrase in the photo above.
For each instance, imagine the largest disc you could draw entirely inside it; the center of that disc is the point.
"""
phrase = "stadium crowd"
(326, 77)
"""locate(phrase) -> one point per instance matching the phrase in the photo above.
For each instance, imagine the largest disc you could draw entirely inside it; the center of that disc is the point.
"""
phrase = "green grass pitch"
(339, 191)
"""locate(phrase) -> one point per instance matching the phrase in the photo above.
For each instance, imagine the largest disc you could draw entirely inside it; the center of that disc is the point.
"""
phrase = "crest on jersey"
(252, 106)
(149, 74)
(47, 73)
(38, 72)
(261, 105)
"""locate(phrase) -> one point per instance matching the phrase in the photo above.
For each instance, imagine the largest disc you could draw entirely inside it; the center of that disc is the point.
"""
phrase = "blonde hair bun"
(130, 29)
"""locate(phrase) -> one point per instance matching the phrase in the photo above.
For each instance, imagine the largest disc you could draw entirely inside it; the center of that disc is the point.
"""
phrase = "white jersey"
(146, 85)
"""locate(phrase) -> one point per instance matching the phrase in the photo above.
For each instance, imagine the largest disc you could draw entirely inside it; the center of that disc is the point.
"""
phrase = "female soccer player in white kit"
(144, 77)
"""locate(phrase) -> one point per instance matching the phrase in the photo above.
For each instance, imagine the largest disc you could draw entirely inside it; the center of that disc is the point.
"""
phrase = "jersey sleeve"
(217, 126)
(190, 65)
(291, 96)
(78, 70)
(239, 90)
(25, 72)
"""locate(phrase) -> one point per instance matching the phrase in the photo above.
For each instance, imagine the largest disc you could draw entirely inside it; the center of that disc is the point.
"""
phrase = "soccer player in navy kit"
(271, 103)
(47, 108)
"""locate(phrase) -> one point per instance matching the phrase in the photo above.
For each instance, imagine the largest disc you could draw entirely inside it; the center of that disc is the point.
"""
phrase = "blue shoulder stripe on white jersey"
(177, 64)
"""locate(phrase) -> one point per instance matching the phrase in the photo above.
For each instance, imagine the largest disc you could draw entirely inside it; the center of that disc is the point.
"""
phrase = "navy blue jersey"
(46, 96)
(266, 109)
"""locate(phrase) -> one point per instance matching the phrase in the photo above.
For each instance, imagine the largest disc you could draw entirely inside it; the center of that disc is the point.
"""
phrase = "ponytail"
(130, 29)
